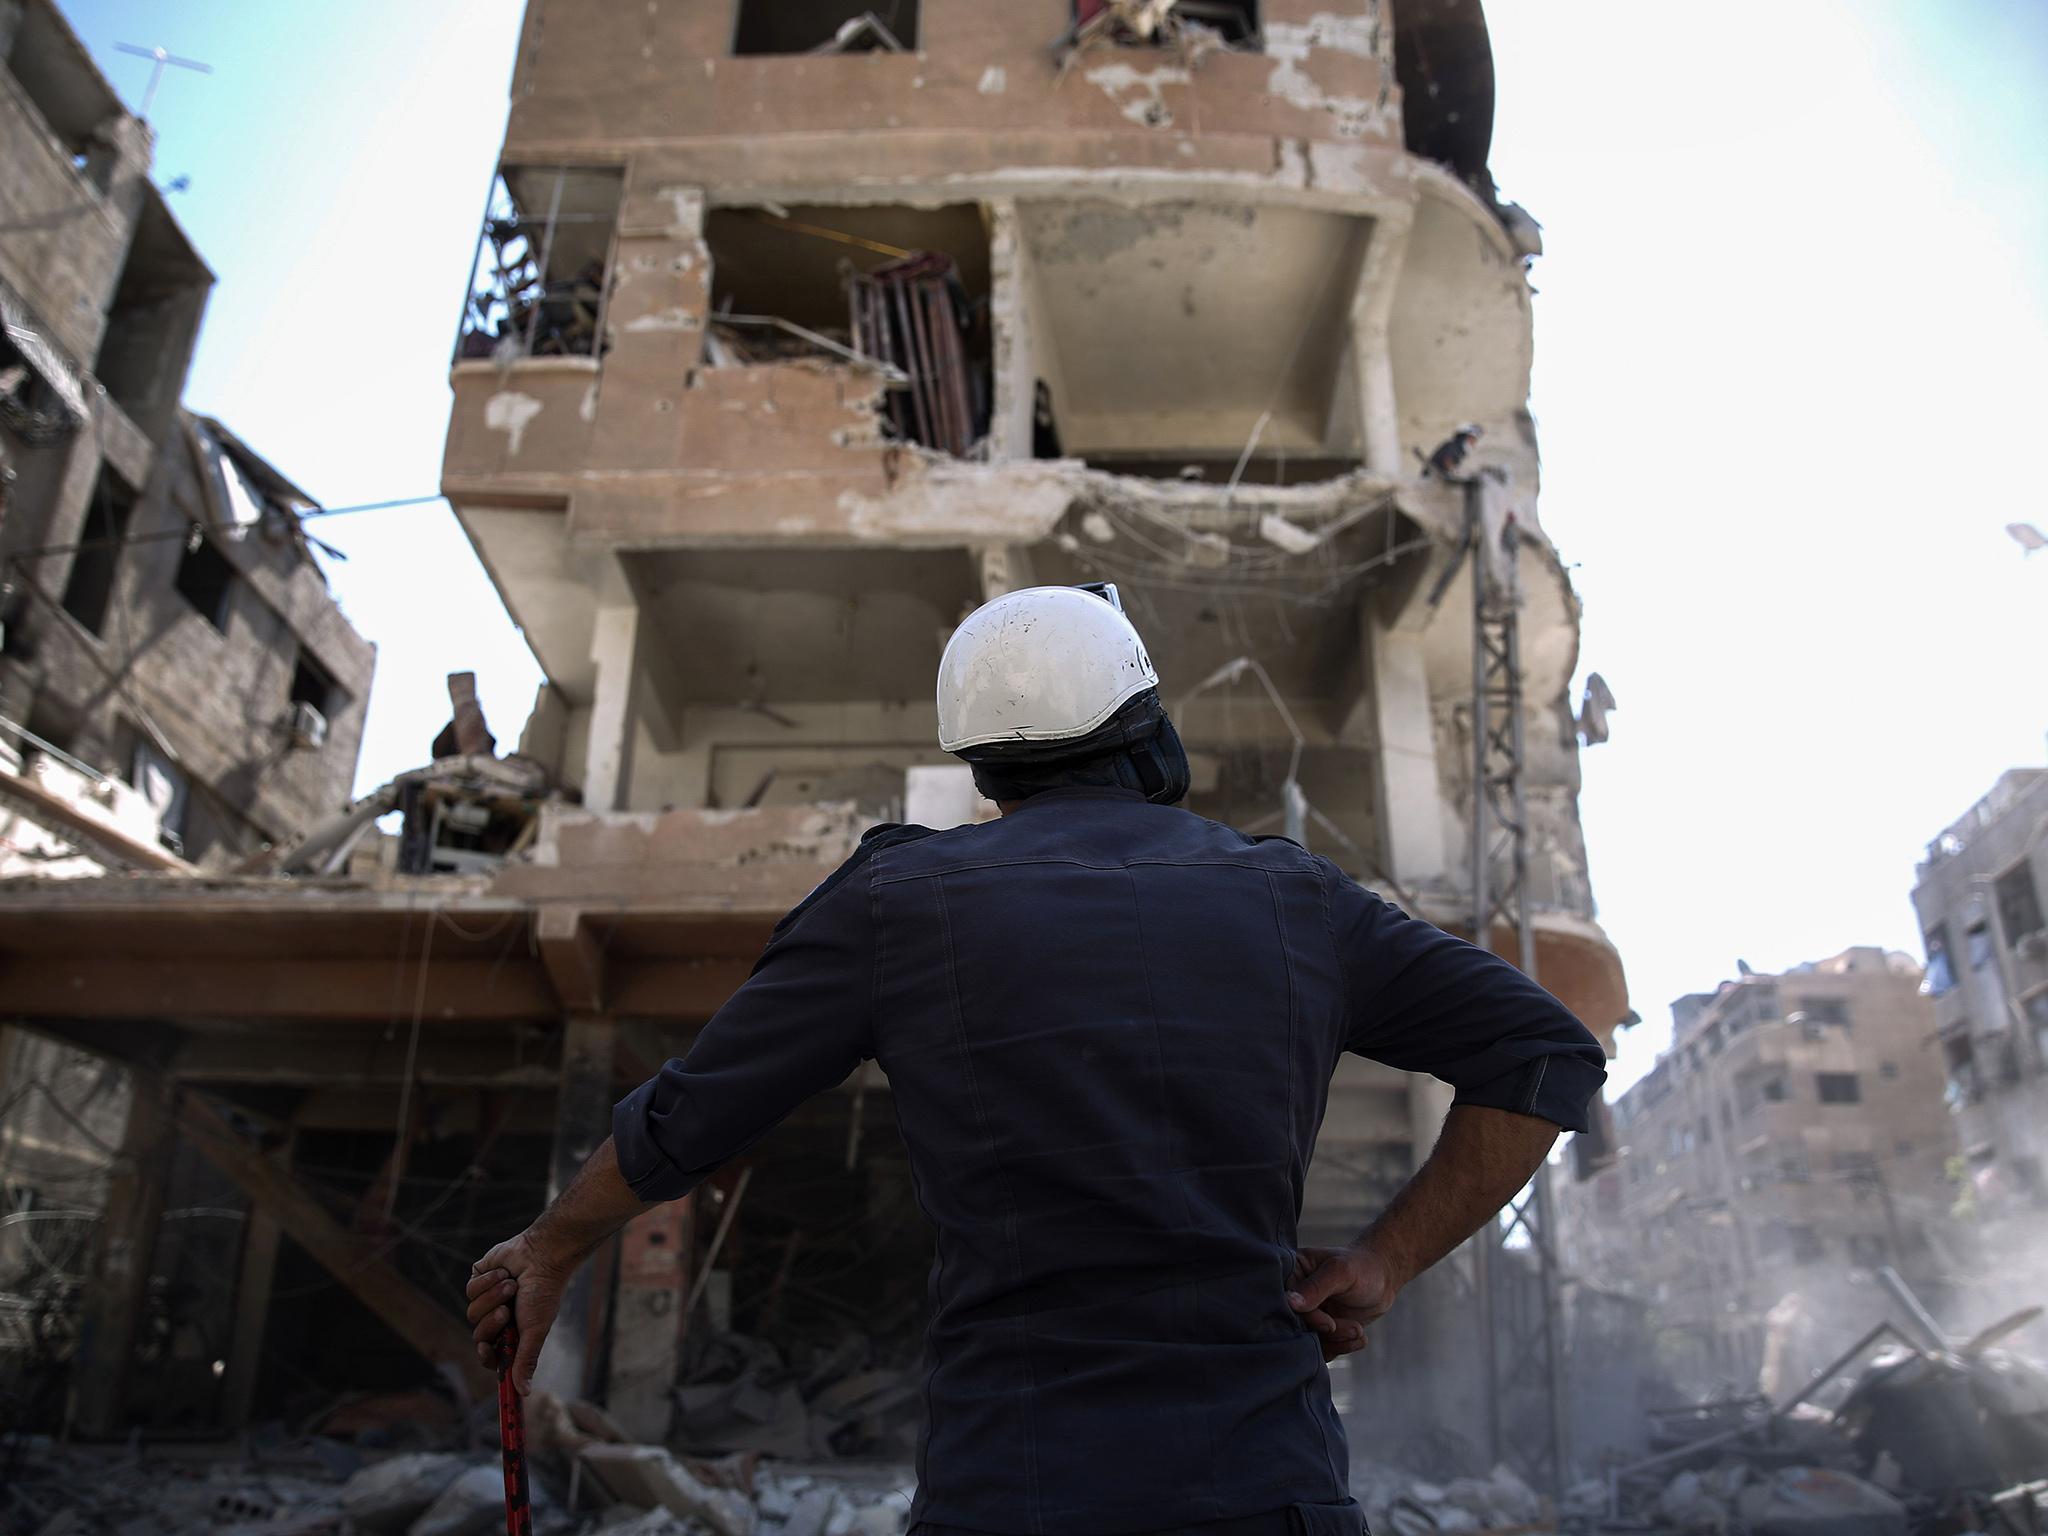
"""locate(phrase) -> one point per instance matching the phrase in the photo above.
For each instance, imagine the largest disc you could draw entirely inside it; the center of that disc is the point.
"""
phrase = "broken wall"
(214, 686)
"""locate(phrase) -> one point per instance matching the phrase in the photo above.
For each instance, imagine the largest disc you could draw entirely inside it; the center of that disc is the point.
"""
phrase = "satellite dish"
(2027, 536)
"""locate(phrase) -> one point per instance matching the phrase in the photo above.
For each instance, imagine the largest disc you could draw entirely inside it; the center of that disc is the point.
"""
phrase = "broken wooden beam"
(434, 1328)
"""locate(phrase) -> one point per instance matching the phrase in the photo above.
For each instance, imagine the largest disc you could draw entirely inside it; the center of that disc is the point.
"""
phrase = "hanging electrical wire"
(187, 531)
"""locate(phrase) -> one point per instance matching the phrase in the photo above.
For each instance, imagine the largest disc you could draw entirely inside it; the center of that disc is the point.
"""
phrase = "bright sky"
(1792, 342)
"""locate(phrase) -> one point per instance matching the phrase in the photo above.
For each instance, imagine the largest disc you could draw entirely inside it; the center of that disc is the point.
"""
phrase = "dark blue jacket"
(1109, 1029)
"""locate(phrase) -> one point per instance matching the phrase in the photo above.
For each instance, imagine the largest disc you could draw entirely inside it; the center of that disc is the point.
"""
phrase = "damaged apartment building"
(1791, 1143)
(1979, 897)
(796, 330)
(175, 681)
(178, 689)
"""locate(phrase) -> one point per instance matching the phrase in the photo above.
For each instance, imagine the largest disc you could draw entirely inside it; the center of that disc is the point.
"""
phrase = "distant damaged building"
(1791, 1142)
(796, 330)
(1980, 894)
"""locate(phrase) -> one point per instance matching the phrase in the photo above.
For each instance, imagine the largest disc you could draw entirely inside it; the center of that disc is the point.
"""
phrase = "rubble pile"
(1926, 1437)
(1395, 1502)
(741, 1395)
(581, 1485)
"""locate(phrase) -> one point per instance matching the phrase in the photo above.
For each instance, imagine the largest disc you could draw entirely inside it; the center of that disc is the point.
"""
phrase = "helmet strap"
(1138, 750)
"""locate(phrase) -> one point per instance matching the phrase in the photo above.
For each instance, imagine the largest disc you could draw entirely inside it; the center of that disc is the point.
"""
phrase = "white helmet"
(1044, 664)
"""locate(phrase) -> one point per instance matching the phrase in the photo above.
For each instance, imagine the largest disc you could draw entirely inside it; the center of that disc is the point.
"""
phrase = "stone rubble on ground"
(1404, 1505)
(302, 1489)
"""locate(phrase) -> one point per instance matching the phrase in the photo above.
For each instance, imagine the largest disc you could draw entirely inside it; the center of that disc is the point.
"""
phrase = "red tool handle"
(512, 1437)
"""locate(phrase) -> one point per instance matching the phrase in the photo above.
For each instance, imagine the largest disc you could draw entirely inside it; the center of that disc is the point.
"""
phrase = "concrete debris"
(1169, 24)
(1291, 537)
(1811, 1501)
(863, 33)
(624, 1520)
(117, 1491)
(740, 1395)
(648, 1477)
(271, 1486)
(472, 1505)
(1915, 1440)
(1409, 1506)
(2022, 1510)
(391, 1495)
(1695, 1501)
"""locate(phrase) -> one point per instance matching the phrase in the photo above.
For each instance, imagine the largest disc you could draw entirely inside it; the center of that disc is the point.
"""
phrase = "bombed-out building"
(178, 689)
(1791, 1142)
(1978, 895)
(174, 675)
(796, 330)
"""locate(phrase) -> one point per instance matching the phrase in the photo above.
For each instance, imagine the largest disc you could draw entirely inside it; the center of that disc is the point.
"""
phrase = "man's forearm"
(1481, 1159)
(525, 1278)
(596, 1204)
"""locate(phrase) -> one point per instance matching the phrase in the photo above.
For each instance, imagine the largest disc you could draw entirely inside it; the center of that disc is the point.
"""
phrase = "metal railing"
(540, 281)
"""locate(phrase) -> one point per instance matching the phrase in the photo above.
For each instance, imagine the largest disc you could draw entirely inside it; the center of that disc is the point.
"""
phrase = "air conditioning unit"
(306, 726)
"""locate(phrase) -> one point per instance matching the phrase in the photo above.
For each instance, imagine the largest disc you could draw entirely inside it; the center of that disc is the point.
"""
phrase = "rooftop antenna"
(160, 57)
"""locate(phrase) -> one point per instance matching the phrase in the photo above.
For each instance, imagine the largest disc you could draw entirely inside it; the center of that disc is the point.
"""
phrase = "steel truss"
(1516, 1268)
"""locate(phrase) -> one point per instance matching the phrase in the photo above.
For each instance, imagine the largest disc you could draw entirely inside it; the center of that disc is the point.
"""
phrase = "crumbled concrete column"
(615, 641)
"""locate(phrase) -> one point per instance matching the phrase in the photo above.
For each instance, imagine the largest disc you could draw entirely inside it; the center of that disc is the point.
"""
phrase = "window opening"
(1981, 953)
(1941, 976)
(825, 26)
(97, 561)
(899, 291)
(1965, 1085)
(206, 579)
(540, 281)
(312, 684)
(1838, 1088)
(312, 704)
(1179, 342)
(1825, 1010)
(2019, 903)
(1045, 426)
(2036, 1010)
(159, 781)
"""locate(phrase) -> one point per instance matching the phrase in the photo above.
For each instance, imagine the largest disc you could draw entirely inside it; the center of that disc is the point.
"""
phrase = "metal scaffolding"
(1516, 1265)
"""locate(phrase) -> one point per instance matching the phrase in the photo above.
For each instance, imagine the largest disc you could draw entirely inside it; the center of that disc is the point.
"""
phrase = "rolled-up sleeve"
(1424, 1001)
(797, 1026)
